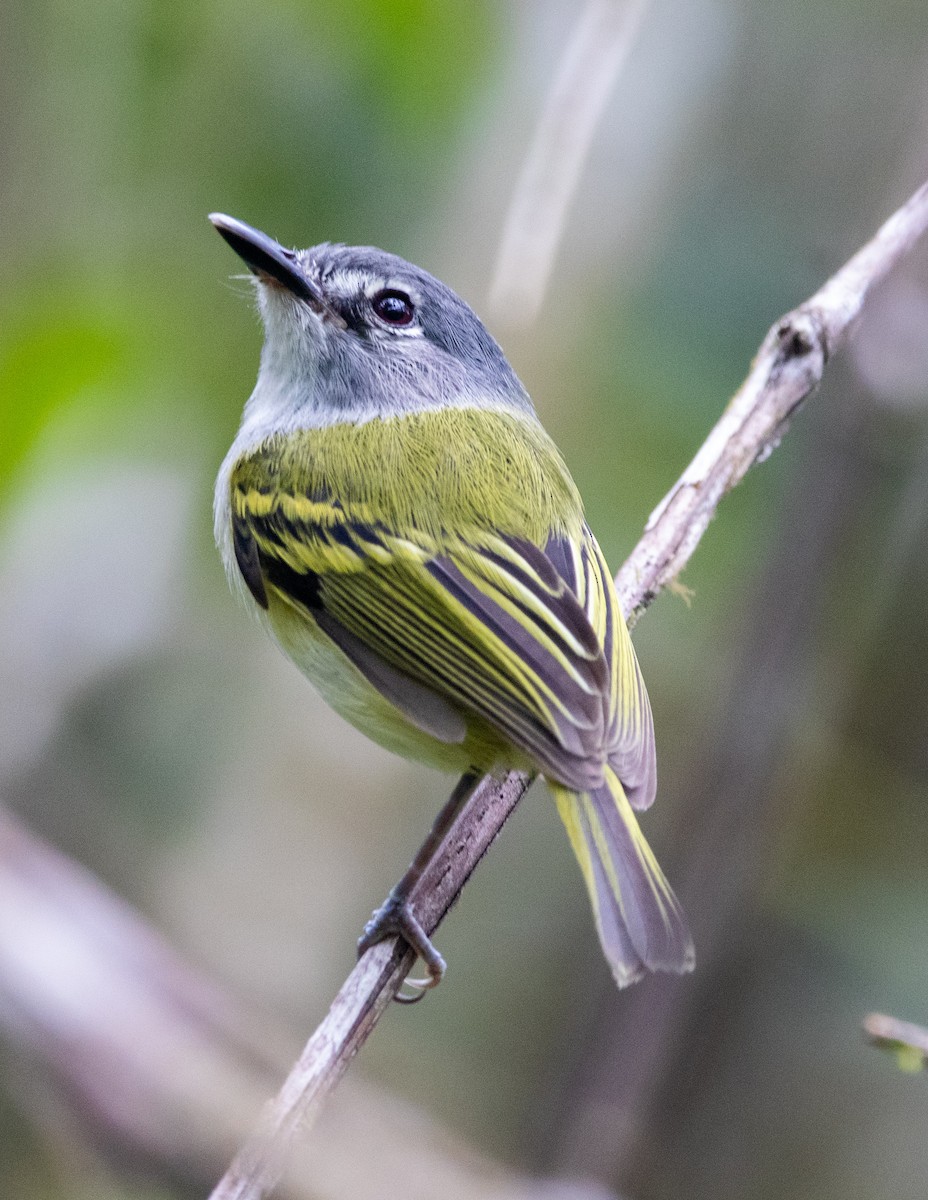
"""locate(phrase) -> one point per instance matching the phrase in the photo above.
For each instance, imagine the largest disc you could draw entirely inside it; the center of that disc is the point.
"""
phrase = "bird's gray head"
(352, 333)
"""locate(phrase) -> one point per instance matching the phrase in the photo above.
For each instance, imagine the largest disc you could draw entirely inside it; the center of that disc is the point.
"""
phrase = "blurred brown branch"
(133, 1053)
(909, 1043)
(789, 365)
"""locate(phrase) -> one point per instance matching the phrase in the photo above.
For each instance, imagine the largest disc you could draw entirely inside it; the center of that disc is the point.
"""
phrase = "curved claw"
(395, 918)
(419, 986)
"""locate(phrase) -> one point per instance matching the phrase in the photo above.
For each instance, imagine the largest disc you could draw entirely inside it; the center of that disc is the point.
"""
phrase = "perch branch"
(789, 365)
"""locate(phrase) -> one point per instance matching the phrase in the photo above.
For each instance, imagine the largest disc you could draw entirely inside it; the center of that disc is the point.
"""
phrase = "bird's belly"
(345, 689)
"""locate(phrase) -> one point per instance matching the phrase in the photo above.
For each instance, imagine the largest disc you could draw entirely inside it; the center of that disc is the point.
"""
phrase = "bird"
(395, 512)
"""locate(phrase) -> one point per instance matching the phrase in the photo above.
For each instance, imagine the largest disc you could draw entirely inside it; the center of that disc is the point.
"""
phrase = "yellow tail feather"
(640, 922)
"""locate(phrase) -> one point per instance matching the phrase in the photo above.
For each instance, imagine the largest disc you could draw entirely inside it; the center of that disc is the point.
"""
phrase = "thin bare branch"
(909, 1043)
(365, 994)
(788, 367)
(551, 171)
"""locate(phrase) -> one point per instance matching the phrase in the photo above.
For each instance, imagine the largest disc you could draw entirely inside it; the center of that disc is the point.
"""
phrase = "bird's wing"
(630, 738)
(493, 626)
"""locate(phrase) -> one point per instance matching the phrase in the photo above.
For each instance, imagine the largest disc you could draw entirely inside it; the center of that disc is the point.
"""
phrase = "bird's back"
(444, 473)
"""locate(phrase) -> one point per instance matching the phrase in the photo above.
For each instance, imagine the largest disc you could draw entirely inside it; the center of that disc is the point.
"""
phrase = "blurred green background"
(150, 731)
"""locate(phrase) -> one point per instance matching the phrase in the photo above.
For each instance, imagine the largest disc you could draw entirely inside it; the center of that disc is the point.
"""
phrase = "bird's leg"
(395, 917)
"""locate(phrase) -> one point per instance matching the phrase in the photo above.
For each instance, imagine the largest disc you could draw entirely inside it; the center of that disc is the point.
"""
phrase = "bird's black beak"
(269, 259)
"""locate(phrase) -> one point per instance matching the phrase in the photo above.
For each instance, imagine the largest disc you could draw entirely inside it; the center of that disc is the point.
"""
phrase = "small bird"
(413, 538)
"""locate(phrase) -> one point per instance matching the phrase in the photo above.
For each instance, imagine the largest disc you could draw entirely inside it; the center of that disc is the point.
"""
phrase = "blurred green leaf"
(47, 360)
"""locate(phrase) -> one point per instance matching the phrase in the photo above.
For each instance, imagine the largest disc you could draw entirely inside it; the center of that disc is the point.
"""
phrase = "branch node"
(794, 340)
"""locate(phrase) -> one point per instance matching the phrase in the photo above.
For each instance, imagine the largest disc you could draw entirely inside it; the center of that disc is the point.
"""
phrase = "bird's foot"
(395, 918)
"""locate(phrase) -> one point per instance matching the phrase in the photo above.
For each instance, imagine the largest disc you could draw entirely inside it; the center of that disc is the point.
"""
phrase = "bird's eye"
(393, 307)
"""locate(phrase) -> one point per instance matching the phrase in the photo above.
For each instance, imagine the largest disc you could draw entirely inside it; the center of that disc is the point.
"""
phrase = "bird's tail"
(641, 924)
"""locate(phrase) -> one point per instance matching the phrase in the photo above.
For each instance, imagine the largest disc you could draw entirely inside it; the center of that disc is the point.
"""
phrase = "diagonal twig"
(789, 365)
